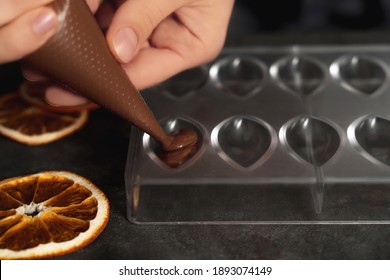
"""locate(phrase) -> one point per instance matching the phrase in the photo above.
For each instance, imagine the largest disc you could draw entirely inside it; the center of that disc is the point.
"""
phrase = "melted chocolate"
(179, 148)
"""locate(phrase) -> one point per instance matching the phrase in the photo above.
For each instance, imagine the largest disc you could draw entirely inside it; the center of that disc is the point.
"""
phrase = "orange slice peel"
(31, 125)
(49, 214)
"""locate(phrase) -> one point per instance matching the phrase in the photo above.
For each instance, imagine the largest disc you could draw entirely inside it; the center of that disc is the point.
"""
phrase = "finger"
(166, 49)
(58, 96)
(175, 49)
(10, 9)
(27, 33)
(145, 72)
(194, 48)
(133, 23)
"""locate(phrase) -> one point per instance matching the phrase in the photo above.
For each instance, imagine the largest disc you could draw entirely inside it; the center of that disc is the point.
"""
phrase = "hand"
(156, 39)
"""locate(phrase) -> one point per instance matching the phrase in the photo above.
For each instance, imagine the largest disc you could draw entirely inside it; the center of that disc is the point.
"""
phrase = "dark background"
(309, 22)
(311, 15)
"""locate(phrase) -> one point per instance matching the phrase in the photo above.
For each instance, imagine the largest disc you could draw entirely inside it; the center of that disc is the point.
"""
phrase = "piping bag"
(77, 56)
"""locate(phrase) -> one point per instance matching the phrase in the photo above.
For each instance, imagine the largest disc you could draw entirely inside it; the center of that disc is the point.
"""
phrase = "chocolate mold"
(361, 74)
(285, 141)
(298, 74)
(371, 135)
(244, 141)
(186, 83)
(171, 126)
(240, 76)
(312, 139)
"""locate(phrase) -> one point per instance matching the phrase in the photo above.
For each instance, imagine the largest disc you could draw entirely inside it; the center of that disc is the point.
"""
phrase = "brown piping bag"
(78, 57)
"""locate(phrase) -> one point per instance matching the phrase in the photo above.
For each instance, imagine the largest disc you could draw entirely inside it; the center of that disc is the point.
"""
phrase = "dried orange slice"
(23, 122)
(49, 214)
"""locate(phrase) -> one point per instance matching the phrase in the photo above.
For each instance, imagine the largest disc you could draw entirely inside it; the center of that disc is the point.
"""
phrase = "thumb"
(134, 22)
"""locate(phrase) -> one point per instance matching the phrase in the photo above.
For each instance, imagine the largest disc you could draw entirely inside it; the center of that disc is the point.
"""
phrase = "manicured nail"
(125, 44)
(45, 22)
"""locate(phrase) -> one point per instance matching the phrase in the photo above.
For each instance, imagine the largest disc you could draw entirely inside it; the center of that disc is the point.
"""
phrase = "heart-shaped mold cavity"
(185, 83)
(300, 75)
(312, 139)
(244, 141)
(172, 126)
(372, 133)
(359, 74)
(240, 76)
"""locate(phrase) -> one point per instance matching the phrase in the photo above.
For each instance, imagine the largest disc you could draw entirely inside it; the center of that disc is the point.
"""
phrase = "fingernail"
(45, 22)
(125, 44)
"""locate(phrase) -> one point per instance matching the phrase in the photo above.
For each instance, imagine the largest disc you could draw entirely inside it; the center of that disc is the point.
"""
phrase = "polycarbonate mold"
(371, 136)
(296, 135)
(186, 83)
(361, 74)
(244, 141)
(298, 74)
(240, 76)
(173, 125)
(311, 139)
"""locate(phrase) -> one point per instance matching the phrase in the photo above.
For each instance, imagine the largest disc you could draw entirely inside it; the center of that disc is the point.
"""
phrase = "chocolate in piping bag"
(78, 57)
